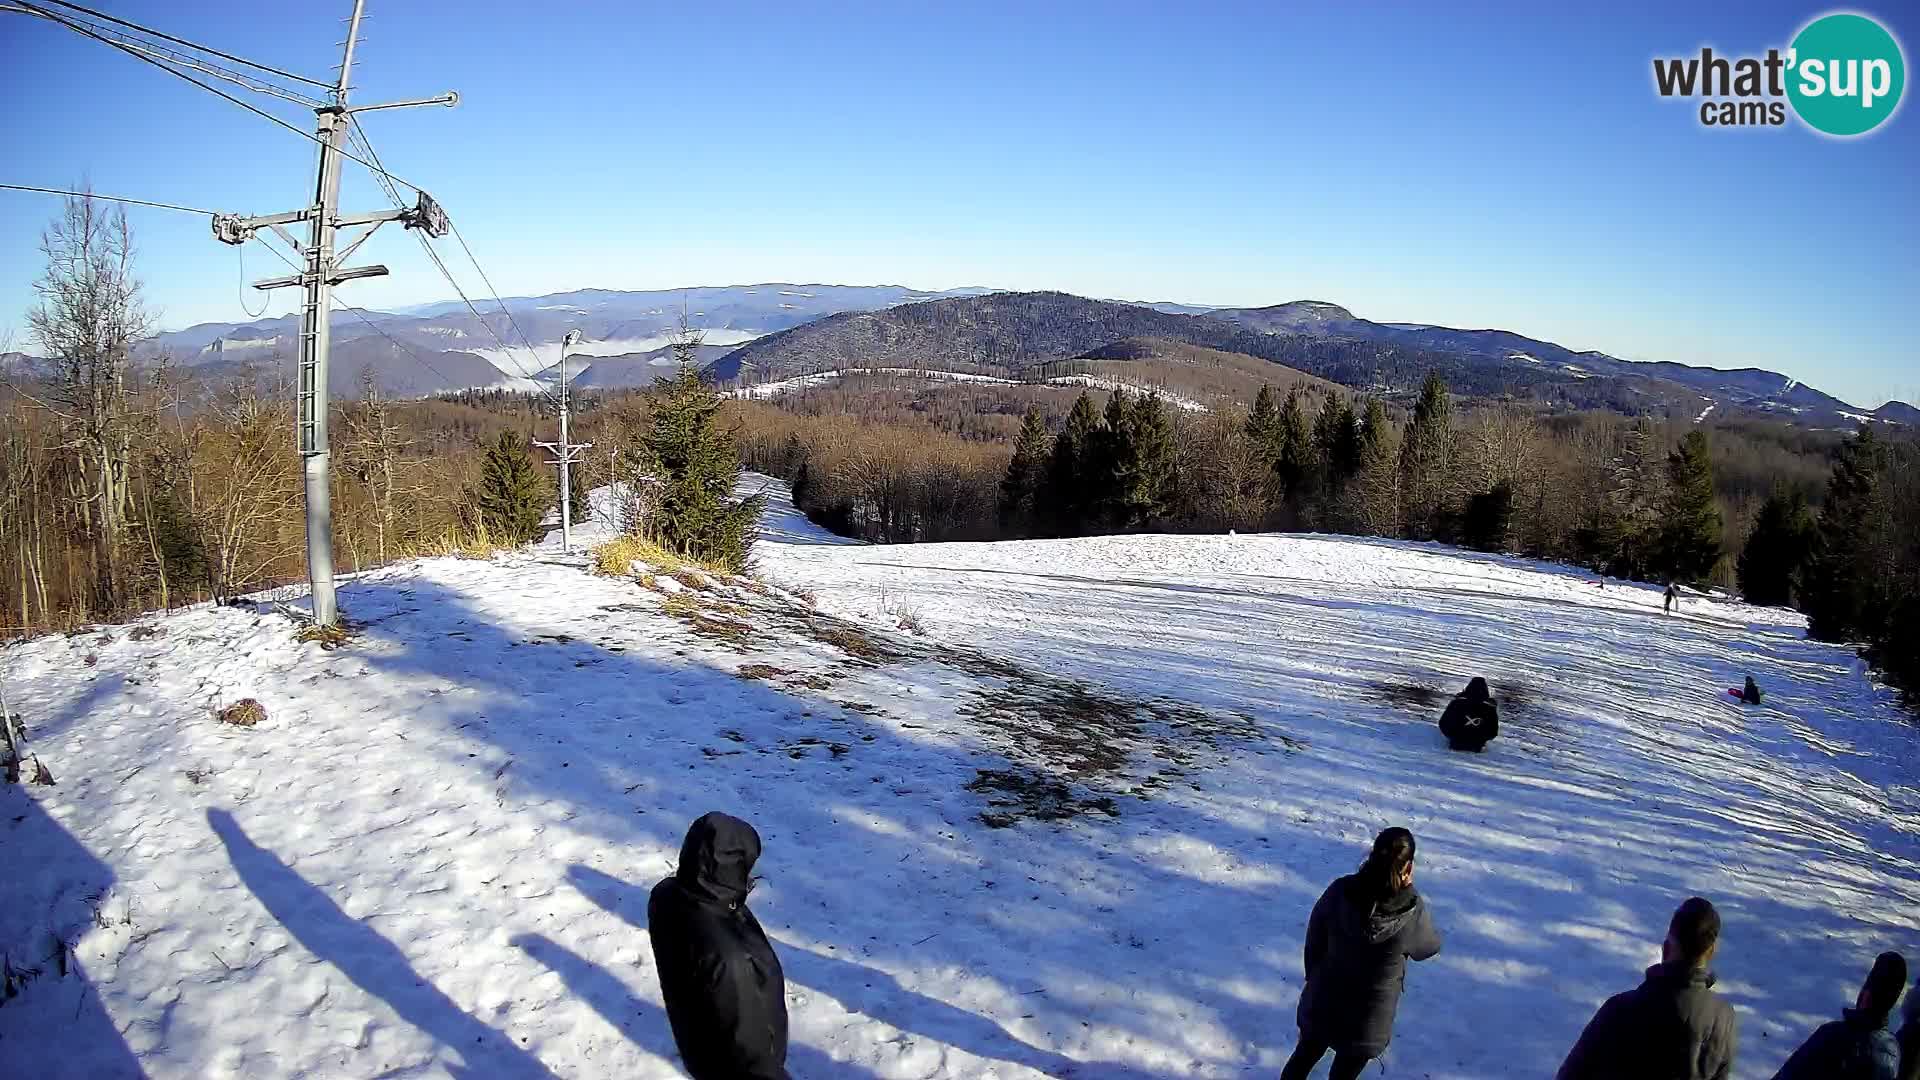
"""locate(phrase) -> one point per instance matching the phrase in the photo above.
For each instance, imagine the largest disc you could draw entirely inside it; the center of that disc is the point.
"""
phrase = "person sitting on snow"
(1751, 693)
(725, 994)
(1858, 1046)
(1472, 719)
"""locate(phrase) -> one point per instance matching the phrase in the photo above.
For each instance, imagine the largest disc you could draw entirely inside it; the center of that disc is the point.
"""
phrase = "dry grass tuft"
(327, 637)
(475, 543)
(243, 713)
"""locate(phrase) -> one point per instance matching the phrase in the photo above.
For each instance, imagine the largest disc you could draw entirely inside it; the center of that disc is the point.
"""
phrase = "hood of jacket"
(1376, 921)
(1680, 976)
(1865, 1021)
(716, 860)
(1476, 690)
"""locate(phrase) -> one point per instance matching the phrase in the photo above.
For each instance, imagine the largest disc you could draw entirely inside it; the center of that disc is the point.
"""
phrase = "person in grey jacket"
(1857, 1046)
(1359, 938)
(1673, 1026)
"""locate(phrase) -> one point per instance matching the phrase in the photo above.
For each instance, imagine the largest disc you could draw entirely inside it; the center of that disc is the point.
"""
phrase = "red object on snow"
(1736, 692)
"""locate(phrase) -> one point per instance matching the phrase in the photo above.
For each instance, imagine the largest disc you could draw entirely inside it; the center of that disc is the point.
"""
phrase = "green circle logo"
(1845, 74)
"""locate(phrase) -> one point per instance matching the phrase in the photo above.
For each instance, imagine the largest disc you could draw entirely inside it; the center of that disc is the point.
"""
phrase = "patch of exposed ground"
(1081, 747)
(1073, 748)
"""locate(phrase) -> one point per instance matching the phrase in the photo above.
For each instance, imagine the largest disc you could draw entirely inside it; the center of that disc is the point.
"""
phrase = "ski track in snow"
(434, 854)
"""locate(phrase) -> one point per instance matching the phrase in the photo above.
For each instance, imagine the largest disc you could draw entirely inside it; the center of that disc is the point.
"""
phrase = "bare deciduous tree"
(87, 317)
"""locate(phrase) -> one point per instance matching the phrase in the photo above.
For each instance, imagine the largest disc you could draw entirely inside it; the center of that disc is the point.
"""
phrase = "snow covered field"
(1071, 830)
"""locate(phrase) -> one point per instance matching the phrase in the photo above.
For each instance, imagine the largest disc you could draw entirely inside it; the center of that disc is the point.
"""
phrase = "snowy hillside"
(1072, 828)
(782, 387)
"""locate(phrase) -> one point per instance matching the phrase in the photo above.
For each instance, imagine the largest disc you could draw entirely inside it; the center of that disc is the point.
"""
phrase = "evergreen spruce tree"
(1026, 474)
(803, 485)
(1487, 519)
(1149, 487)
(1113, 464)
(1064, 501)
(1841, 588)
(1293, 459)
(1263, 423)
(512, 498)
(1426, 462)
(1337, 433)
(582, 495)
(697, 465)
(1777, 549)
(1689, 542)
(1336, 444)
(1375, 507)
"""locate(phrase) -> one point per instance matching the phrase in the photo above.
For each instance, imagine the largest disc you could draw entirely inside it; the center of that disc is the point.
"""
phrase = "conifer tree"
(1112, 466)
(512, 498)
(1841, 591)
(696, 465)
(1336, 438)
(1777, 549)
(582, 499)
(1376, 502)
(1064, 500)
(1426, 462)
(1690, 533)
(1149, 487)
(1294, 453)
(1487, 518)
(1263, 423)
(1026, 474)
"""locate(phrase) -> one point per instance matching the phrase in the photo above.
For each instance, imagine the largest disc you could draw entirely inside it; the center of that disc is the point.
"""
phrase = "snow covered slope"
(1073, 830)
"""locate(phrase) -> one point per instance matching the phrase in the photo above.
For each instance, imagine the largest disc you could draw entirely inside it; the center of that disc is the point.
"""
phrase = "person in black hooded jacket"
(1472, 719)
(1359, 939)
(1857, 1046)
(726, 996)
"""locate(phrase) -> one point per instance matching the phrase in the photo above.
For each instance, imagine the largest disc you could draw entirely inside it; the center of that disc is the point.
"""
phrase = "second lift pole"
(564, 449)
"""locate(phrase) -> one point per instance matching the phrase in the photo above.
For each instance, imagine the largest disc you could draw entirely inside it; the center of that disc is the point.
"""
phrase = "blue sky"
(1485, 165)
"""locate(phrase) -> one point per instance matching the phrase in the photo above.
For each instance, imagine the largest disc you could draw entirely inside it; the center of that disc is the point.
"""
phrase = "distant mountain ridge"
(1006, 333)
(1750, 389)
(515, 343)
(774, 329)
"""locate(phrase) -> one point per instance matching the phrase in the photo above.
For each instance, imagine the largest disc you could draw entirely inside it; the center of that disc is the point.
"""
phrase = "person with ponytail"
(1359, 938)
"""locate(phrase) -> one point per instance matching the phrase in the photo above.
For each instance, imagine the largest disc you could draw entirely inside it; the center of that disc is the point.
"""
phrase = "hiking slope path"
(1048, 808)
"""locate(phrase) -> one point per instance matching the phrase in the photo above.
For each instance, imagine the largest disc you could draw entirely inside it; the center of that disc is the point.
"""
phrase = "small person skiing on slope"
(1672, 597)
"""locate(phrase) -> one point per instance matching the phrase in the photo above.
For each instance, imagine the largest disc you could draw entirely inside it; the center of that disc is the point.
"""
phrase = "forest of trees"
(1731, 506)
(125, 486)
